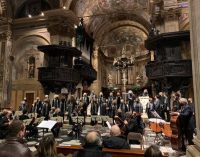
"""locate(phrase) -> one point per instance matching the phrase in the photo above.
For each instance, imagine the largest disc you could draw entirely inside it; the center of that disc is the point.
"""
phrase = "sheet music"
(108, 124)
(48, 124)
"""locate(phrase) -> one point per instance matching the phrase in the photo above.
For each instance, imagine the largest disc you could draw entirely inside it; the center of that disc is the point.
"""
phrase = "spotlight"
(29, 15)
(42, 14)
(64, 7)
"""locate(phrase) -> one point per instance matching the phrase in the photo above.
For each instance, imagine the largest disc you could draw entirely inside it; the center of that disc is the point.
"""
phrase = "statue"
(110, 82)
(31, 71)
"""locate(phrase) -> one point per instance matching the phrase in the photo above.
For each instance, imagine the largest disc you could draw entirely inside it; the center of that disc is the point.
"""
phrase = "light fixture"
(64, 7)
(42, 14)
(29, 15)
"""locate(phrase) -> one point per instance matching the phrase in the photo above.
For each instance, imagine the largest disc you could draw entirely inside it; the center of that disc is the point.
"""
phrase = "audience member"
(116, 140)
(92, 147)
(47, 147)
(6, 118)
(13, 146)
(153, 151)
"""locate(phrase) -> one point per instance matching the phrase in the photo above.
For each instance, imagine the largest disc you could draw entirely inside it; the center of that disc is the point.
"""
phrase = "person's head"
(137, 99)
(16, 129)
(93, 138)
(153, 151)
(115, 130)
(111, 93)
(101, 94)
(183, 101)
(47, 146)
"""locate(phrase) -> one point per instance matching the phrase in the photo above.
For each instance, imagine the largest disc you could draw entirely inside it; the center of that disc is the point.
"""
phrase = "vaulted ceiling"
(114, 23)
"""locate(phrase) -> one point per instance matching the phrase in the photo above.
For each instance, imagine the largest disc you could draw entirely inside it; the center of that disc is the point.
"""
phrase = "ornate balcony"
(180, 68)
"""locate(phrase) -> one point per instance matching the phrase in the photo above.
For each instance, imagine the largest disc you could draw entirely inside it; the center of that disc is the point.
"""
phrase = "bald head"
(115, 130)
(93, 138)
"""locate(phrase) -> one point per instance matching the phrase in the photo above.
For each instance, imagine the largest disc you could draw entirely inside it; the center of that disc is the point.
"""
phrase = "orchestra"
(125, 112)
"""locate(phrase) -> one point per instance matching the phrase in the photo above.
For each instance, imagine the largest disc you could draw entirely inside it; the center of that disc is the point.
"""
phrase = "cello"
(176, 139)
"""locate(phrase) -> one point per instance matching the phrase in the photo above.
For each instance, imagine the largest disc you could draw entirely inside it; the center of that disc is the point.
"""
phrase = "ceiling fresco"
(127, 36)
(114, 23)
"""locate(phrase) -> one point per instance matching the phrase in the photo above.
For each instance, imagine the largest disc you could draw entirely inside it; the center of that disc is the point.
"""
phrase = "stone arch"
(23, 49)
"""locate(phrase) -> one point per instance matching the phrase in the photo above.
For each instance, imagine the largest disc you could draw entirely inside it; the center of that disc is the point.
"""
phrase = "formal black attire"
(115, 142)
(187, 131)
(91, 151)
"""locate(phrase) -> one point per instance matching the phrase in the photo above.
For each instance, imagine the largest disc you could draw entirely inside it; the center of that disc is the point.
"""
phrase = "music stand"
(157, 120)
(46, 124)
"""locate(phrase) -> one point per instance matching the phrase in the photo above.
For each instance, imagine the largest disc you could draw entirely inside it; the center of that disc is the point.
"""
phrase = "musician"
(37, 107)
(23, 105)
(164, 104)
(176, 103)
(135, 124)
(55, 101)
(123, 107)
(149, 108)
(138, 106)
(110, 100)
(116, 140)
(94, 106)
(46, 107)
(101, 101)
(32, 128)
(85, 104)
(185, 116)
(118, 100)
(130, 100)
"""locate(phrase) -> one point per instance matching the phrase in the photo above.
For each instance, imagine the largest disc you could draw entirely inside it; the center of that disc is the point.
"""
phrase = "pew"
(115, 152)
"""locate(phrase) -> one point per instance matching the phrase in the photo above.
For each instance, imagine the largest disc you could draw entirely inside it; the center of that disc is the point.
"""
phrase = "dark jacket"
(13, 147)
(91, 151)
(115, 142)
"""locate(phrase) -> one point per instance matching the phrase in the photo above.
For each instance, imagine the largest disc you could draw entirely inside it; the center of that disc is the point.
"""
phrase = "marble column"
(6, 82)
(194, 151)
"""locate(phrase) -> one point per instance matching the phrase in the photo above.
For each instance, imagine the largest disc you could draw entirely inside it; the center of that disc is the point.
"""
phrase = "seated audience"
(116, 140)
(6, 117)
(47, 147)
(13, 146)
(92, 147)
(153, 151)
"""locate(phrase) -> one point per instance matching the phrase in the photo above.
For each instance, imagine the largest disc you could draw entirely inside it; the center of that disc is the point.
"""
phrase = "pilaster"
(194, 151)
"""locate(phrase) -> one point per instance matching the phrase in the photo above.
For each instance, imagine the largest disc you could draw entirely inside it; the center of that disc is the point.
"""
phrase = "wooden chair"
(136, 136)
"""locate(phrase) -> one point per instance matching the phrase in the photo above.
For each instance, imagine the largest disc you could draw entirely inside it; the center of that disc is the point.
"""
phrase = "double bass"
(176, 139)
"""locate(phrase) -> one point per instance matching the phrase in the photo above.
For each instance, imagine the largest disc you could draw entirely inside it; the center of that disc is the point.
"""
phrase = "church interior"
(90, 61)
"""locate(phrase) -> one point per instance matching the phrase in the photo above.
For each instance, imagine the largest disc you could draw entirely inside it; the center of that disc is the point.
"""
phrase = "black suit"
(115, 142)
(186, 125)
